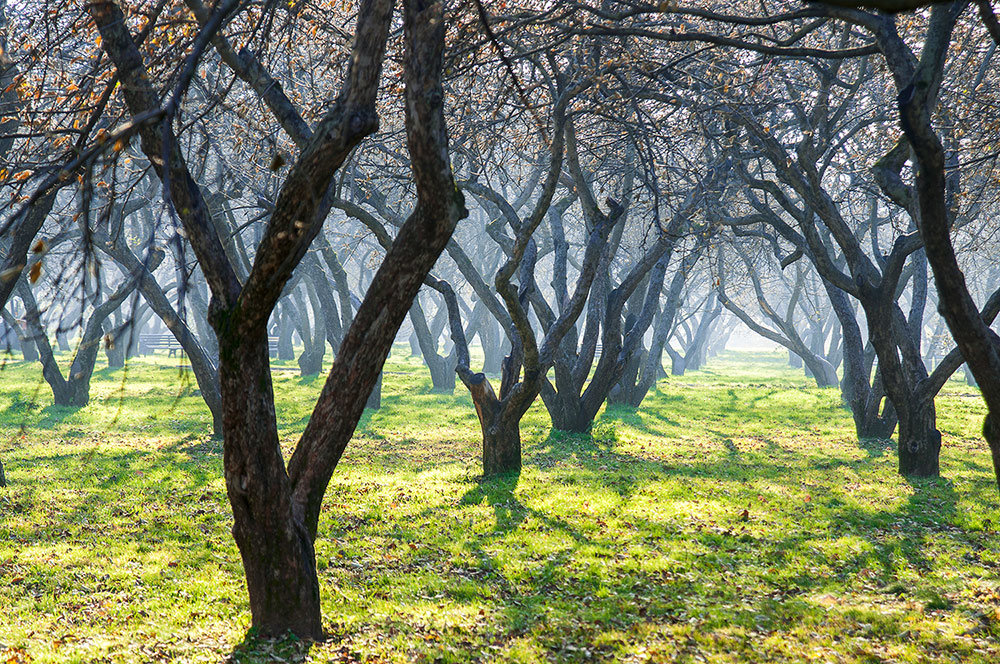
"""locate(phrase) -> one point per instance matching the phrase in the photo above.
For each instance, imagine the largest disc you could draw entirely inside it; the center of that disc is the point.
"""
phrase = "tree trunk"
(314, 335)
(115, 340)
(311, 359)
(501, 435)
(286, 350)
(622, 394)
(566, 412)
(502, 448)
(274, 542)
(677, 365)
(919, 440)
(29, 351)
(375, 398)
(441, 368)
(794, 361)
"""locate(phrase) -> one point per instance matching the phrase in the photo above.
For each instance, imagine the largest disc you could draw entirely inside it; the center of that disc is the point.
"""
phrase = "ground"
(732, 518)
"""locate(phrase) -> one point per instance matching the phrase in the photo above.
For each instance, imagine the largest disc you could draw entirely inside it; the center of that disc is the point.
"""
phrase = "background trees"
(636, 178)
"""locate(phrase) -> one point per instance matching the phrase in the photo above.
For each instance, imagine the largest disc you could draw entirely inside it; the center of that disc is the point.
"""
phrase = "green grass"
(733, 517)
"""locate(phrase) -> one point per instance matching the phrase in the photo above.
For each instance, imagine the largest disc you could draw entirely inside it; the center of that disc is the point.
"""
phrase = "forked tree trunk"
(274, 542)
(501, 435)
(622, 394)
(441, 367)
(677, 365)
(276, 511)
(311, 359)
(568, 414)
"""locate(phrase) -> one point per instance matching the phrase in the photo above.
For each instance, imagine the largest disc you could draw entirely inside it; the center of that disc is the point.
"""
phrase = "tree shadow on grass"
(498, 492)
(876, 447)
(54, 415)
(717, 573)
(254, 648)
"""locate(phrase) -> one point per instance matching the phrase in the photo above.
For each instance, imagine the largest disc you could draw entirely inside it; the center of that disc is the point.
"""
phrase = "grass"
(733, 517)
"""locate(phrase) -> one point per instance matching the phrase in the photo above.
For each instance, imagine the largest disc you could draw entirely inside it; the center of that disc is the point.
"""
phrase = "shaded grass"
(733, 517)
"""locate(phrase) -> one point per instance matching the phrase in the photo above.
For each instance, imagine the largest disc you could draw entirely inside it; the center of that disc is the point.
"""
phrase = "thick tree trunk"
(273, 531)
(501, 434)
(311, 359)
(502, 448)
(567, 412)
(821, 371)
(794, 361)
(623, 393)
(273, 540)
(875, 416)
(919, 440)
(29, 351)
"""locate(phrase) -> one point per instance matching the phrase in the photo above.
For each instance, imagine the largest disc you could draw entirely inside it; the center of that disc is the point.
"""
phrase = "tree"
(276, 508)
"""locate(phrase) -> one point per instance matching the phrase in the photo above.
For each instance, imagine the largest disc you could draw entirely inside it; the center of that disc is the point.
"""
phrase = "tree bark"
(501, 435)
(919, 440)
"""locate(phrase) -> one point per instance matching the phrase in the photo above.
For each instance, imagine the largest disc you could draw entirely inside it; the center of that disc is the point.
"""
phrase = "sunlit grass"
(733, 517)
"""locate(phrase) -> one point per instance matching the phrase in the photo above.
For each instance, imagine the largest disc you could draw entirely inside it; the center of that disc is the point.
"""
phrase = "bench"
(150, 343)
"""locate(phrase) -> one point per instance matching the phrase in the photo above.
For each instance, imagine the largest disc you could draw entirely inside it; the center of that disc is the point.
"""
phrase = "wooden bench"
(150, 343)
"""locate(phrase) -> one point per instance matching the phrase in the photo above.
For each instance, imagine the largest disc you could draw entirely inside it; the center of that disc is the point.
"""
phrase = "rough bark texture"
(976, 341)
(274, 524)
